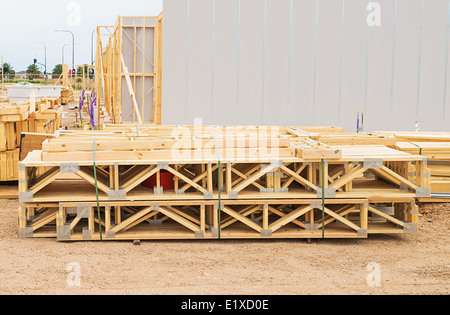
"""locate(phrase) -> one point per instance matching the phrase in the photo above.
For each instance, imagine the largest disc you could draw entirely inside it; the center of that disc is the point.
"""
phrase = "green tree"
(57, 70)
(32, 71)
(80, 71)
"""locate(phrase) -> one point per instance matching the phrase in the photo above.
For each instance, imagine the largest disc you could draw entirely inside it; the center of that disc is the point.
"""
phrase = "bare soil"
(408, 264)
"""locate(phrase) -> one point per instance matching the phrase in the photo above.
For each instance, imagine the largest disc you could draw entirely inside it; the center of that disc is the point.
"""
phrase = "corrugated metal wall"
(306, 62)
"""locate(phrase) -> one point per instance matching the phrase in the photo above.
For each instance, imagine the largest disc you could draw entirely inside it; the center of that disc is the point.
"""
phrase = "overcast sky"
(25, 23)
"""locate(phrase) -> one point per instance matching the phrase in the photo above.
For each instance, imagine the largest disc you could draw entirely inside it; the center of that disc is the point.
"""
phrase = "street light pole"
(92, 47)
(63, 52)
(45, 59)
(73, 46)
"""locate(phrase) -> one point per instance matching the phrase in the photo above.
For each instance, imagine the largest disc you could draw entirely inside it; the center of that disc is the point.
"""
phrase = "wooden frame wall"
(115, 73)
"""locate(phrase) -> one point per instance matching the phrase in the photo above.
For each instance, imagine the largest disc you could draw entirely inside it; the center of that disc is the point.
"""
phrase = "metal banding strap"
(96, 194)
(420, 148)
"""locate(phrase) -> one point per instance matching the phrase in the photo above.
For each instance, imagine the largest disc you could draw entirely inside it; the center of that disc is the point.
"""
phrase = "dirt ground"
(407, 264)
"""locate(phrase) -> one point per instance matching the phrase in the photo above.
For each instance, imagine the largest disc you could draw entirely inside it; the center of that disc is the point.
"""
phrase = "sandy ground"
(408, 264)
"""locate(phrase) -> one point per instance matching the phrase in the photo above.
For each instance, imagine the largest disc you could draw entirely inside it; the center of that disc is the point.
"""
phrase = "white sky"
(25, 23)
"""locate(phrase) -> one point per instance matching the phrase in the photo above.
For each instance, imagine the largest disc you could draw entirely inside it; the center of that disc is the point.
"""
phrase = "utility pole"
(3, 80)
(45, 61)
(73, 48)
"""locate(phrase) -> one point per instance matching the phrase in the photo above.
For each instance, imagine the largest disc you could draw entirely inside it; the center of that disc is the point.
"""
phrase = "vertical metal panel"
(328, 55)
(174, 62)
(302, 63)
(444, 102)
(200, 60)
(251, 60)
(379, 69)
(277, 60)
(355, 29)
(225, 61)
(256, 66)
(433, 64)
(406, 68)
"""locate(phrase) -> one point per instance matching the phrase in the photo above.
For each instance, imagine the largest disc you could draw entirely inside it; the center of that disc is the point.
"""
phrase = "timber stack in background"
(43, 117)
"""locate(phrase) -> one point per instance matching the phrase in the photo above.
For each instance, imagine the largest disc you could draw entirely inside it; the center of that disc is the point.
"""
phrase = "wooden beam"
(282, 214)
(187, 180)
(289, 217)
(131, 219)
(186, 223)
(357, 171)
(264, 170)
(386, 216)
(241, 218)
(342, 219)
(130, 90)
(298, 178)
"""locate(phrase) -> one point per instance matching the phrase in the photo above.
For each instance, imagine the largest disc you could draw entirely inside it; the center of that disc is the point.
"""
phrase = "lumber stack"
(67, 95)
(435, 146)
(210, 182)
(44, 116)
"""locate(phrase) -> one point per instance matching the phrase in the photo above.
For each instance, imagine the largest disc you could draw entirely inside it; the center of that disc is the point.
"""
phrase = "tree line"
(33, 71)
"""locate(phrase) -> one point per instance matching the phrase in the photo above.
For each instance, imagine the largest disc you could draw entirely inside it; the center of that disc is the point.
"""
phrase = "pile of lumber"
(44, 116)
(209, 182)
(67, 95)
(435, 146)
(118, 142)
